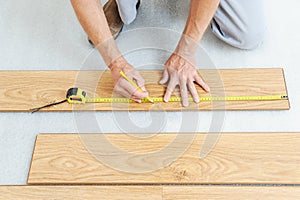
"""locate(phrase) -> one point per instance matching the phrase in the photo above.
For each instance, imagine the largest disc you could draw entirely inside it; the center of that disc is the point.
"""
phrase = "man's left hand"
(179, 71)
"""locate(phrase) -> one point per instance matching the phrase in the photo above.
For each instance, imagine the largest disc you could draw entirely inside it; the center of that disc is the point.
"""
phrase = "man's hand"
(180, 68)
(122, 86)
(179, 71)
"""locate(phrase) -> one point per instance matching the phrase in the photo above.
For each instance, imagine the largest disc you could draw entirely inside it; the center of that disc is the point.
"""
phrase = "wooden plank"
(81, 192)
(237, 158)
(230, 192)
(150, 192)
(22, 90)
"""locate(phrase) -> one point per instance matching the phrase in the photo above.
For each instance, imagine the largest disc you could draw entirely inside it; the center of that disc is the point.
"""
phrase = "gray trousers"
(239, 23)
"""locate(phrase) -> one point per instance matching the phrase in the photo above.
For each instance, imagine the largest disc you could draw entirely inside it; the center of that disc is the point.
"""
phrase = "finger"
(165, 77)
(171, 86)
(202, 83)
(193, 91)
(132, 90)
(126, 94)
(141, 84)
(136, 100)
(139, 80)
(122, 92)
(137, 94)
(184, 92)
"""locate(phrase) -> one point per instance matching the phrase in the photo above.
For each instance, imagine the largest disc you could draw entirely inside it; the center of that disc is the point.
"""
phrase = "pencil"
(134, 84)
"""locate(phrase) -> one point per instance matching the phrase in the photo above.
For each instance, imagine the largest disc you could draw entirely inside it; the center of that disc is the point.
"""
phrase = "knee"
(245, 37)
(250, 38)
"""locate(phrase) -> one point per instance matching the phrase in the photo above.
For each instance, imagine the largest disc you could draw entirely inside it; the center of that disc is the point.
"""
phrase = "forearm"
(91, 16)
(201, 13)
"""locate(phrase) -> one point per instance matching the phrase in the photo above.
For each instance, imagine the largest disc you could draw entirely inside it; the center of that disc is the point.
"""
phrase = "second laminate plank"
(255, 158)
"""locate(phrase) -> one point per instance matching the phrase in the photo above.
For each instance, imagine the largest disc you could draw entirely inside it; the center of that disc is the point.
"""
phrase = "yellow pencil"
(135, 85)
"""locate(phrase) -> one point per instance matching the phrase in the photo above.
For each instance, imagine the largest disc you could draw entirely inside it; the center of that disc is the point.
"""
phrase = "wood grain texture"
(245, 158)
(232, 193)
(81, 192)
(149, 192)
(22, 90)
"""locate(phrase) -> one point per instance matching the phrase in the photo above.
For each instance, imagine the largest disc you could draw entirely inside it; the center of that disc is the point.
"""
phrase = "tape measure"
(78, 96)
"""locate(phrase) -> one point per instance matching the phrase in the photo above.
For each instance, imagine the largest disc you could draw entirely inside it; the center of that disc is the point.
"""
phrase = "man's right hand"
(122, 86)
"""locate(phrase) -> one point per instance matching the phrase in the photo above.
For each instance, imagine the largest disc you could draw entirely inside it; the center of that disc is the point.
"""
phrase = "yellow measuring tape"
(78, 96)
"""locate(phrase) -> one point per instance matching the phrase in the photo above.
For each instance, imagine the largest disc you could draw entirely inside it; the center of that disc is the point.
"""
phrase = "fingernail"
(138, 100)
(207, 89)
(166, 100)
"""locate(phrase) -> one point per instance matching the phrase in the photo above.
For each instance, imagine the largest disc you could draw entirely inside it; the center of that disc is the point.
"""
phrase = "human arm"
(92, 18)
(180, 69)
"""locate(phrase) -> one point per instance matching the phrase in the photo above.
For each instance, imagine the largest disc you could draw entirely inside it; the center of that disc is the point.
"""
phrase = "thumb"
(140, 81)
(165, 77)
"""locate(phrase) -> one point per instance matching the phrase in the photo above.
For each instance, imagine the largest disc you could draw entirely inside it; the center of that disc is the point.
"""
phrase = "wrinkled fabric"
(240, 23)
(127, 10)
